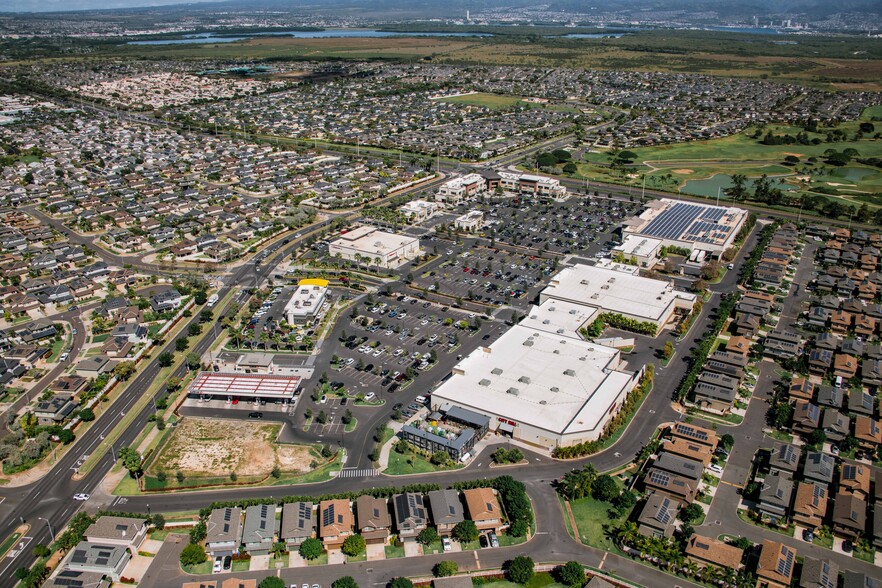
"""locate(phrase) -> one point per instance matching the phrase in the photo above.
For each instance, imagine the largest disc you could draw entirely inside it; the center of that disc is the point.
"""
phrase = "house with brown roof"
(689, 449)
(681, 488)
(810, 505)
(483, 508)
(849, 516)
(864, 325)
(845, 366)
(775, 567)
(335, 522)
(695, 433)
(806, 417)
(707, 551)
(840, 321)
(374, 520)
(854, 478)
(868, 432)
(739, 345)
(801, 389)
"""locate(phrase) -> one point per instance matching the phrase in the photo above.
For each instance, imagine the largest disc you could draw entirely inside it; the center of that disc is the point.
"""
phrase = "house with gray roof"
(658, 516)
(411, 515)
(819, 467)
(775, 495)
(298, 523)
(99, 558)
(259, 530)
(112, 530)
(680, 466)
(447, 510)
(784, 458)
(223, 531)
(819, 573)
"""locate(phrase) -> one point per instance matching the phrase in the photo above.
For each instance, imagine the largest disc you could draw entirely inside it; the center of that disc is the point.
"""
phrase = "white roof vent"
(543, 402)
(528, 343)
(524, 379)
(512, 391)
(569, 373)
(555, 389)
(484, 382)
(496, 371)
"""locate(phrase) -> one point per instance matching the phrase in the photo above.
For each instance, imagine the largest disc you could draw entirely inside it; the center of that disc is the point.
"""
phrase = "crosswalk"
(358, 473)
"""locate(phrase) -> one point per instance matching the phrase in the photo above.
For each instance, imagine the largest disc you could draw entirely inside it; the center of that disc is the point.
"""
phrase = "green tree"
(194, 329)
(271, 582)
(192, 554)
(400, 582)
(131, 460)
(727, 441)
(466, 531)
(124, 370)
(158, 521)
(520, 570)
(87, 415)
(445, 568)
(181, 344)
(427, 536)
(165, 359)
(40, 550)
(344, 582)
(311, 548)
(604, 488)
(354, 545)
(197, 533)
(571, 573)
(691, 513)
(194, 361)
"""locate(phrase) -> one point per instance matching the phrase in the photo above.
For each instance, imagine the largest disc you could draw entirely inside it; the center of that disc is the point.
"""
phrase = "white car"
(63, 357)
(218, 565)
(445, 541)
(715, 468)
(81, 496)
(370, 396)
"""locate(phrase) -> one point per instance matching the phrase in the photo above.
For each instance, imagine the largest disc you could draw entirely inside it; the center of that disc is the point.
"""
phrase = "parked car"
(255, 415)
(445, 542)
(218, 565)
(494, 541)
(81, 497)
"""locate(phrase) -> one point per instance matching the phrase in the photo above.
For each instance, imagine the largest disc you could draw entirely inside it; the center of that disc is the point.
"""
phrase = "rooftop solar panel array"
(785, 562)
(690, 222)
(688, 431)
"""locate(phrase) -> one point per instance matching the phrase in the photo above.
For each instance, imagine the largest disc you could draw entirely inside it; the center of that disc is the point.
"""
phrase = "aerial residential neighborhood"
(430, 294)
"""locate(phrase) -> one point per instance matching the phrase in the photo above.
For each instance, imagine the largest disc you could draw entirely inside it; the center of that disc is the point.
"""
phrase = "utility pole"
(643, 193)
(51, 532)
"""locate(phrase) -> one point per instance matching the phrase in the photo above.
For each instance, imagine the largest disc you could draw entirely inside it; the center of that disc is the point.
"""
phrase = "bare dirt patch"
(683, 172)
(210, 447)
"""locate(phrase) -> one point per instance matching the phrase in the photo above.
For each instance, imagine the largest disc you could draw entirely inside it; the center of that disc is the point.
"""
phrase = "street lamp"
(51, 532)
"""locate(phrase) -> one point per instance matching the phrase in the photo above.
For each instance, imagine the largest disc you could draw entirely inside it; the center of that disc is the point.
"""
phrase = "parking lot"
(483, 274)
(392, 343)
(570, 227)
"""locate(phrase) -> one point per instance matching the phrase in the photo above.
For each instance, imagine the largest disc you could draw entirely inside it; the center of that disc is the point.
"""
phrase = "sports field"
(492, 101)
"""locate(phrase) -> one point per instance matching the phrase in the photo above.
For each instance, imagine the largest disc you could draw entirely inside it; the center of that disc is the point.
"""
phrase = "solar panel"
(785, 563)
(101, 561)
(660, 478)
(688, 431)
(451, 509)
(663, 515)
(228, 514)
(79, 557)
(328, 516)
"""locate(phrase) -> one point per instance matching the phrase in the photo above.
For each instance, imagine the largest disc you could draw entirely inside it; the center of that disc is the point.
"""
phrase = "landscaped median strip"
(164, 374)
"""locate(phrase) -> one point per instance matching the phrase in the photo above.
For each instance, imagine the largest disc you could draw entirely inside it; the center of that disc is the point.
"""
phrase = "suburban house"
(775, 495)
(775, 567)
(335, 522)
(411, 515)
(707, 551)
(373, 519)
(819, 573)
(446, 509)
(658, 516)
(483, 508)
(259, 531)
(849, 516)
(677, 486)
(810, 504)
(104, 559)
(223, 531)
(123, 531)
(298, 523)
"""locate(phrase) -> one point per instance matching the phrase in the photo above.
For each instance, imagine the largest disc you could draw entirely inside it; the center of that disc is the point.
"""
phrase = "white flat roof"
(534, 378)
(559, 317)
(639, 245)
(306, 300)
(614, 291)
(373, 240)
(248, 385)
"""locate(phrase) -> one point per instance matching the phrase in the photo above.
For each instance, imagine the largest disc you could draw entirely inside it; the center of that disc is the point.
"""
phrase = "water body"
(588, 36)
(750, 30)
(854, 174)
(709, 186)
(327, 34)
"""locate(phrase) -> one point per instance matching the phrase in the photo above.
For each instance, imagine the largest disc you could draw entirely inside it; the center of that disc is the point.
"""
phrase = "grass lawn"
(868, 555)
(57, 346)
(410, 463)
(241, 565)
(742, 514)
(354, 558)
(393, 551)
(100, 338)
(825, 542)
(199, 569)
(591, 516)
(492, 101)
(780, 436)
(540, 580)
(351, 426)
(278, 560)
(321, 560)
(506, 540)
(159, 535)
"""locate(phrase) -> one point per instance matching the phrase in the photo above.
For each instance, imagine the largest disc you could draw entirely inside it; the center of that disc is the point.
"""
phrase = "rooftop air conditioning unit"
(496, 371)
(512, 391)
(524, 379)
(484, 382)
(569, 373)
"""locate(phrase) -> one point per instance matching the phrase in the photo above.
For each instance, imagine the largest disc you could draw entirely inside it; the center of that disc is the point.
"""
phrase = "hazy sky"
(58, 5)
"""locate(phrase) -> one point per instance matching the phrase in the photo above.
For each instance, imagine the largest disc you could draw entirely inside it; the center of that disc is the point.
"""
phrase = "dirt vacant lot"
(209, 447)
